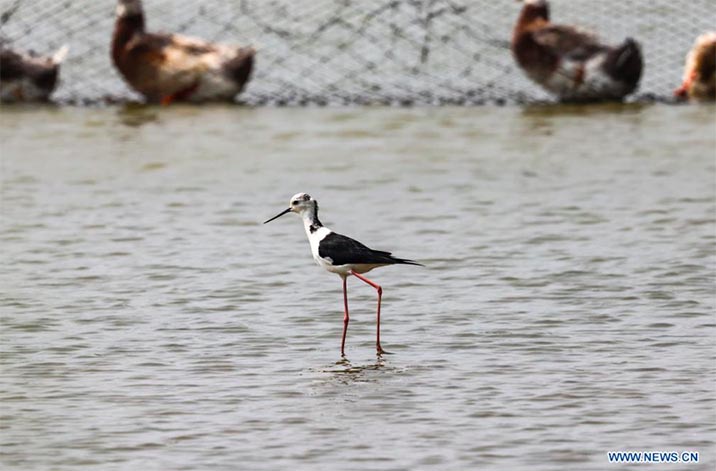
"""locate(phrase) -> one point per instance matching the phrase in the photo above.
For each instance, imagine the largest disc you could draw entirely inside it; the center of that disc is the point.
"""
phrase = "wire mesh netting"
(358, 51)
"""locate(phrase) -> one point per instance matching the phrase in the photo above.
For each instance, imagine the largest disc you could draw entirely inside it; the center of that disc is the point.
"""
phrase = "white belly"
(342, 270)
(345, 270)
(214, 85)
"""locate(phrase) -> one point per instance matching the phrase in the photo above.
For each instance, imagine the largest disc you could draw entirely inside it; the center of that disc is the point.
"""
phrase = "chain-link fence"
(358, 51)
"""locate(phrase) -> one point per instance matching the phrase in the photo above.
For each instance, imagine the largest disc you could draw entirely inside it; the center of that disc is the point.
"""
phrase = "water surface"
(149, 320)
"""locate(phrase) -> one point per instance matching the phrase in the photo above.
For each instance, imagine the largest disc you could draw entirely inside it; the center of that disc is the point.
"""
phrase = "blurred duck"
(169, 67)
(28, 77)
(700, 72)
(573, 64)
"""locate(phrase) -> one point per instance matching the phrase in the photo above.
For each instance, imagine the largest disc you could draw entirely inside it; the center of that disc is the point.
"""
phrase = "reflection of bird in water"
(355, 373)
(570, 63)
(699, 82)
(170, 67)
(26, 77)
(341, 255)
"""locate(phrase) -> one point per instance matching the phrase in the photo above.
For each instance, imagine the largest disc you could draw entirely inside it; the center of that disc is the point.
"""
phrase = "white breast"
(315, 238)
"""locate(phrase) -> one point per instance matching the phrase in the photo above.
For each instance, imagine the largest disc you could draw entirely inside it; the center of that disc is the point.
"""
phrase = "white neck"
(310, 220)
(307, 227)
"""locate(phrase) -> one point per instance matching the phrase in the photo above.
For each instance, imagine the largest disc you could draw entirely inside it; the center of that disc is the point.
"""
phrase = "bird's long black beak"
(279, 215)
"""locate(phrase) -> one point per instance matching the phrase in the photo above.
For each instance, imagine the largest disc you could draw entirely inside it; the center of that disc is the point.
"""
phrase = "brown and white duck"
(28, 77)
(700, 72)
(170, 67)
(570, 63)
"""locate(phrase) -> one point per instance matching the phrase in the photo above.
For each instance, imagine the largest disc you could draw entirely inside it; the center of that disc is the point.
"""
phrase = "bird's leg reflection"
(344, 366)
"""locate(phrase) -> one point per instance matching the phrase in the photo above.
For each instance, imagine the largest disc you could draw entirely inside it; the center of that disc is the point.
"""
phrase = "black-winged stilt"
(341, 255)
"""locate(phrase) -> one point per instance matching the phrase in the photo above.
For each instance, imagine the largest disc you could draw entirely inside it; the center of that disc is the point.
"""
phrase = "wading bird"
(341, 255)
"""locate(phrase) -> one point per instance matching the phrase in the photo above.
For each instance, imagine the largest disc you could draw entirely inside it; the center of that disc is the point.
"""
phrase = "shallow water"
(151, 322)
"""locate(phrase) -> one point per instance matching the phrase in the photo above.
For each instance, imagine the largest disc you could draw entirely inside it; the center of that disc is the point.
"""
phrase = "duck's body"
(699, 82)
(171, 67)
(26, 77)
(570, 63)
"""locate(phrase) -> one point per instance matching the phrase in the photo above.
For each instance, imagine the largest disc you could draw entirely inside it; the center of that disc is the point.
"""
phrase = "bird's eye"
(294, 203)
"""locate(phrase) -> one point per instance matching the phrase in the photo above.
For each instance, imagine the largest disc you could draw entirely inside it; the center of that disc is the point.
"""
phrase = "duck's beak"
(279, 215)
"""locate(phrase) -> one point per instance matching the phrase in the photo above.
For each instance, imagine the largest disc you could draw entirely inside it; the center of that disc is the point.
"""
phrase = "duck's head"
(301, 204)
(129, 8)
(534, 9)
(700, 67)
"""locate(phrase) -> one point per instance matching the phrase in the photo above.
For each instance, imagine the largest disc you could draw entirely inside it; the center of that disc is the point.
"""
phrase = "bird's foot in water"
(381, 352)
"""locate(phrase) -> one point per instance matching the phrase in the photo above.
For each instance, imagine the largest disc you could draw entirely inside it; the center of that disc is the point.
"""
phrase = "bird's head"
(535, 9)
(127, 8)
(301, 204)
(700, 66)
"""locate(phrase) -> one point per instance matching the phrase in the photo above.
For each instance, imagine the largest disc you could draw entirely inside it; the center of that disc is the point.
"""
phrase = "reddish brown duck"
(700, 72)
(570, 63)
(28, 77)
(169, 67)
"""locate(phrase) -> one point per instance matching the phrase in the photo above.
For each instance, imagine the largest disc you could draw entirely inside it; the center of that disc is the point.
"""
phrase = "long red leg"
(380, 296)
(346, 319)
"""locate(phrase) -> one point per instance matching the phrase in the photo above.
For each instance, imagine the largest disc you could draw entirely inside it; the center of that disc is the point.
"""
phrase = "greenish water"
(149, 320)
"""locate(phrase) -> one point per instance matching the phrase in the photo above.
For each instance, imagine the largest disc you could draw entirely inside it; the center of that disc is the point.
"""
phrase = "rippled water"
(149, 320)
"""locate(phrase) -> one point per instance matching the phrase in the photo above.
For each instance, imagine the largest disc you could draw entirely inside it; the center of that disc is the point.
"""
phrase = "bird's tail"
(405, 261)
(59, 56)
(240, 66)
(625, 64)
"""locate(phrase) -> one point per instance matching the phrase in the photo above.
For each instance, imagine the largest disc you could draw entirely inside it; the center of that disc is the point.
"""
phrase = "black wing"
(344, 250)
